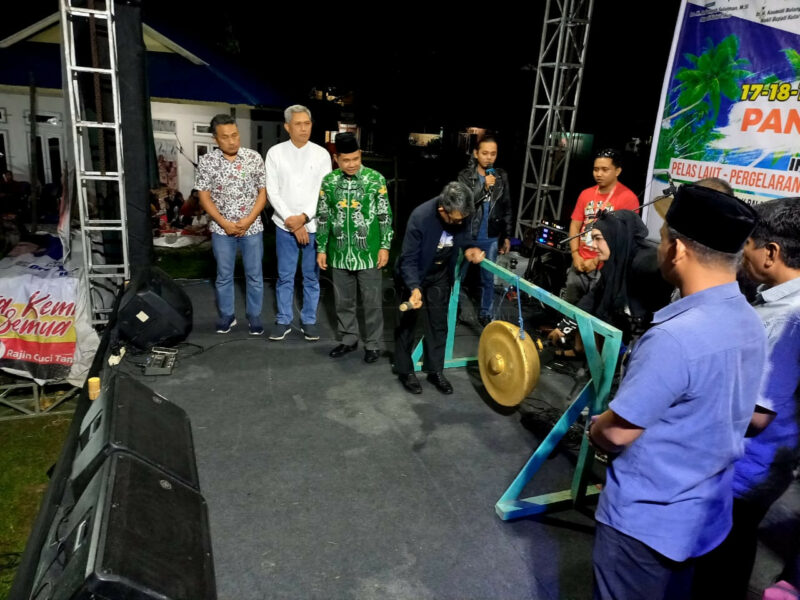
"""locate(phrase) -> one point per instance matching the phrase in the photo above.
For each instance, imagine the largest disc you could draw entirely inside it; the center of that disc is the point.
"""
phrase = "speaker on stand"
(154, 310)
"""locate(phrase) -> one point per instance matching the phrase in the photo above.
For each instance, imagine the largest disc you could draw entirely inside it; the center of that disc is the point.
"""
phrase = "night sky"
(429, 69)
(414, 67)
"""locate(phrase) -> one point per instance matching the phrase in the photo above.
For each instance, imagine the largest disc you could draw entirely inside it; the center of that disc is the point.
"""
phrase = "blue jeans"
(487, 278)
(225, 248)
(288, 249)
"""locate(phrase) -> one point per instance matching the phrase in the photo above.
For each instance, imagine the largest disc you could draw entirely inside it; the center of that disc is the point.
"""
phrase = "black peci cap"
(346, 143)
(712, 218)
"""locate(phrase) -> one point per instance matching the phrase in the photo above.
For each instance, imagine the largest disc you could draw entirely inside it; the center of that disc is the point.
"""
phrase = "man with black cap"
(764, 472)
(354, 233)
(679, 417)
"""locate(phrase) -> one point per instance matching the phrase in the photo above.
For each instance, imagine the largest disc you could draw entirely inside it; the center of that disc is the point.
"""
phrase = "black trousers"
(435, 301)
(627, 569)
(346, 285)
(725, 571)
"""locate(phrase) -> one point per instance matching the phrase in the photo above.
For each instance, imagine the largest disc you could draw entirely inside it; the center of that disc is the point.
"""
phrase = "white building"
(186, 91)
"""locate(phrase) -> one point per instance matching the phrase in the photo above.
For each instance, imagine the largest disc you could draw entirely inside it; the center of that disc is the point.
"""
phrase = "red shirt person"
(608, 194)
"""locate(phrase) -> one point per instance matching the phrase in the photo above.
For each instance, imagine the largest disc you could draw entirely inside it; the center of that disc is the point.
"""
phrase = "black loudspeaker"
(129, 417)
(154, 310)
(134, 533)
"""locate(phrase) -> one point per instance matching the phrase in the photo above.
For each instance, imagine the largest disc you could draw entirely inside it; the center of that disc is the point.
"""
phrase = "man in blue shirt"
(679, 417)
(771, 259)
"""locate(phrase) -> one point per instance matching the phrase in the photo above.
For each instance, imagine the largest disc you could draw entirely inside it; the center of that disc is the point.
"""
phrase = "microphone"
(406, 306)
(490, 171)
(671, 190)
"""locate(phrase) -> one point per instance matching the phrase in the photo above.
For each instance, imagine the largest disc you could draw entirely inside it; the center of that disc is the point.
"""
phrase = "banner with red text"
(38, 306)
(730, 105)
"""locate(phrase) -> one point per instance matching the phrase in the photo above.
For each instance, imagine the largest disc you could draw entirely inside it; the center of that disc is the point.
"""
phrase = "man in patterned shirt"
(354, 233)
(230, 184)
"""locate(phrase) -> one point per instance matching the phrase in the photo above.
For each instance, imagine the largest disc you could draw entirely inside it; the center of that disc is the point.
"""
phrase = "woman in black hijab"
(630, 287)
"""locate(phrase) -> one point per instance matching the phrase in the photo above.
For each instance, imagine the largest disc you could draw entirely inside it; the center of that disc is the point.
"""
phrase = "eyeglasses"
(453, 220)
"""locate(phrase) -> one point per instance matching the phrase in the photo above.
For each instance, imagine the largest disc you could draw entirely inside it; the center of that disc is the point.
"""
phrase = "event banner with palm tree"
(730, 106)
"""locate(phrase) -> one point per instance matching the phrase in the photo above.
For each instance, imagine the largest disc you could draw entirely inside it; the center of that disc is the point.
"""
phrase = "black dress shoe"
(441, 383)
(342, 349)
(411, 383)
(370, 356)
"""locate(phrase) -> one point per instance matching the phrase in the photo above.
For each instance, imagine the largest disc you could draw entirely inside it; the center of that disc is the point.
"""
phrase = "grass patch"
(197, 262)
(187, 263)
(29, 449)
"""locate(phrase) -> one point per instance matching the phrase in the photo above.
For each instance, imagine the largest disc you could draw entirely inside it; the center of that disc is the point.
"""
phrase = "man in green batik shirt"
(354, 233)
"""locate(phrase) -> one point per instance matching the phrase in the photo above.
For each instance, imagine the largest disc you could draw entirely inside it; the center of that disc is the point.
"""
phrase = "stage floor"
(326, 479)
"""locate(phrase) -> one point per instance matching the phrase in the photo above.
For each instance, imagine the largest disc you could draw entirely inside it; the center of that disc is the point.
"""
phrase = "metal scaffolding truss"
(100, 176)
(555, 107)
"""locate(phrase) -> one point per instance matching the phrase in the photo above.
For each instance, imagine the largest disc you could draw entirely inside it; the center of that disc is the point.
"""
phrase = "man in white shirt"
(295, 169)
